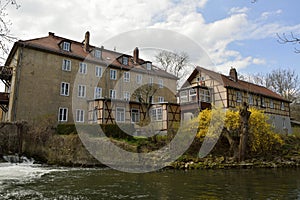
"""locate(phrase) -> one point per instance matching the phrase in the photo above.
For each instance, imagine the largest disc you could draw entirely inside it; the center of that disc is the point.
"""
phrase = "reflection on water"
(36, 182)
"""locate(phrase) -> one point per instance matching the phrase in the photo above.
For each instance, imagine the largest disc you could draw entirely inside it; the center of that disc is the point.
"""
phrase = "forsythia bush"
(261, 136)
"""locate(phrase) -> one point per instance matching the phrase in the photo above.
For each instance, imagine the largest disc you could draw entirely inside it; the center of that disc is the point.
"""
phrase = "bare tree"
(5, 36)
(283, 39)
(172, 62)
(285, 82)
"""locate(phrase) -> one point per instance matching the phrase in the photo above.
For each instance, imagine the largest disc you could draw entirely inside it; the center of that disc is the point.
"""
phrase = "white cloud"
(106, 19)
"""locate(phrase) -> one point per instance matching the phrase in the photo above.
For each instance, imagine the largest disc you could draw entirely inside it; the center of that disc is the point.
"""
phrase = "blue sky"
(233, 33)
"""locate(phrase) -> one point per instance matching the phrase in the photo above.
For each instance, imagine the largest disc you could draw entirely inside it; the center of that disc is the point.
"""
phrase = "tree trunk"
(243, 146)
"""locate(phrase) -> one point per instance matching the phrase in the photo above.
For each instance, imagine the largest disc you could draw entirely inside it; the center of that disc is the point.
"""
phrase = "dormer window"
(66, 46)
(97, 53)
(149, 65)
(125, 60)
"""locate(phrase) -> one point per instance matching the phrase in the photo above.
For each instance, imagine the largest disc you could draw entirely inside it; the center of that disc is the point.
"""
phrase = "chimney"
(135, 55)
(233, 74)
(51, 34)
(87, 41)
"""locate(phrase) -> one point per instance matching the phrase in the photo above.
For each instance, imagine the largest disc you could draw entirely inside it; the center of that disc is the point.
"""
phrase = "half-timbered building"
(205, 88)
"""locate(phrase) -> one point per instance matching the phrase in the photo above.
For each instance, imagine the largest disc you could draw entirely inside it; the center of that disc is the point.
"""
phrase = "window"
(161, 99)
(66, 46)
(79, 115)
(150, 81)
(263, 103)
(126, 76)
(95, 114)
(66, 66)
(135, 115)
(139, 79)
(81, 91)
(192, 95)
(112, 94)
(113, 74)
(98, 53)
(250, 99)
(120, 114)
(238, 96)
(183, 96)
(98, 93)
(126, 96)
(282, 106)
(82, 68)
(63, 114)
(161, 83)
(271, 104)
(125, 60)
(156, 114)
(205, 96)
(64, 89)
(149, 65)
(98, 71)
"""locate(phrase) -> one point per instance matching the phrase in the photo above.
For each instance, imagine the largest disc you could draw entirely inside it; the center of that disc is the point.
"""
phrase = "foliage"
(66, 129)
(261, 139)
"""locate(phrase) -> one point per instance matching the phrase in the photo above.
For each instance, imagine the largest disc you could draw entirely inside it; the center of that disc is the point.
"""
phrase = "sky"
(231, 33)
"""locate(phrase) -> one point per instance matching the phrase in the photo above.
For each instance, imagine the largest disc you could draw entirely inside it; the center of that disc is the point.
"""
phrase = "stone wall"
(11, 137)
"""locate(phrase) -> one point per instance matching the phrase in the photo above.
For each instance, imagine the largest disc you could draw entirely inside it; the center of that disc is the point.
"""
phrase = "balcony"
(6, 75)
(4, 98)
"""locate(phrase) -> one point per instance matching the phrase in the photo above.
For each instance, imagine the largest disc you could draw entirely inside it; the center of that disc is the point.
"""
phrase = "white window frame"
(120, 114)
(95, 114)
(149, 65)
(139, 78)
(113, 74)
(135, 115)
(63, 114)
(192, 95)
(204, 96)
(64, 89)
(161, 99)
(126, 76)
(160, 83)
(282, 106)
(98, 53)
(79, 115)
(81, 91)
(150, 81)
(183, 95)
(66, 65)
(82, 68)
(98, 71)
(66, 46)
(239, 97)
(112, 94)
(250, 99)
(125, 60)
(97, 93)
(126, 95)
(263, 101)
(271, 104)
(157, 114)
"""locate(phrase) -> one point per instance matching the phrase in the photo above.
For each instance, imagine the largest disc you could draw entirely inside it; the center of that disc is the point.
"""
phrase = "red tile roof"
(51, 43)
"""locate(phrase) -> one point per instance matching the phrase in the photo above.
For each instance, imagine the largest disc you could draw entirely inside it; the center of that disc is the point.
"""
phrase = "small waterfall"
(18, 159)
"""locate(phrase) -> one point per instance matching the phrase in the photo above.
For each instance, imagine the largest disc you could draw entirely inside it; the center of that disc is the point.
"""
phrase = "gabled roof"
(241, 85)
(51, 44)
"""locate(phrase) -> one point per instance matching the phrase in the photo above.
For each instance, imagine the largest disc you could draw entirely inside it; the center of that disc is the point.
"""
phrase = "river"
(30, 181)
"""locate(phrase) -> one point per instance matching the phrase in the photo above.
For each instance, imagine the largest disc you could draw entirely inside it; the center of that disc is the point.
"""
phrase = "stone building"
(55, 77)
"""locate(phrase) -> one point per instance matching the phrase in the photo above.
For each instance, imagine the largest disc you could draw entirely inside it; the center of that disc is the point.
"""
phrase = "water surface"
(28, 181)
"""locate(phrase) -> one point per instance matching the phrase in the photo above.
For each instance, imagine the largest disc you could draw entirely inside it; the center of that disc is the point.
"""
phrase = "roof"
(110, 58)
(239, 85)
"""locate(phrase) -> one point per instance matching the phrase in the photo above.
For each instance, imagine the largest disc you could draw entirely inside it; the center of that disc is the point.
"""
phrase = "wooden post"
(244, 136)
